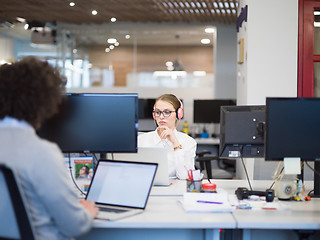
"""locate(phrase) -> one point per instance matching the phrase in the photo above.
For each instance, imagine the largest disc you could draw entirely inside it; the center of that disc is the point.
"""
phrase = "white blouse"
(180, 160)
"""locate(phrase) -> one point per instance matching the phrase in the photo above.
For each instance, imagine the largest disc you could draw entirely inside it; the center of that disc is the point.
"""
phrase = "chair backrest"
(14, 218)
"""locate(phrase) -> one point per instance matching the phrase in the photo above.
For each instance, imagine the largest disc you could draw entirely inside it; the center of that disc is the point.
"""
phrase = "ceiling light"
(111, 47)
(316, 24)
(205, 41)
(107, 50)
(316, 13)
(20, 19)
(75, 51)
(127, 36)
(170, 68)
(72, 4)
(111, 40)
(3, 62)
(26, 26)
(94, 12)
(199, 73)
(117, 44)
(169, 64)
(113, 19)
(209, 30)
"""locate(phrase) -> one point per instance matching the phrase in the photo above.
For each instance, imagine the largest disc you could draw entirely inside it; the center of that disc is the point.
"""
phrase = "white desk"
(208, 141)
(177, 188)
(273, 224)
(165, 219)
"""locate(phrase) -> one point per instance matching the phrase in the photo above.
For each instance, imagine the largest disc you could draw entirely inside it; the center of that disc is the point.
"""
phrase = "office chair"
(205, 163)
(14, 218)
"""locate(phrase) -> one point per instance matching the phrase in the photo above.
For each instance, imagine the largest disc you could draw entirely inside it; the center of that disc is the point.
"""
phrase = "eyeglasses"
(165, 113)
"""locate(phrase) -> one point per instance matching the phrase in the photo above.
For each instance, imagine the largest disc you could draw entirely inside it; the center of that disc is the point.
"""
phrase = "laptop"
(121, 189)
(149, 154)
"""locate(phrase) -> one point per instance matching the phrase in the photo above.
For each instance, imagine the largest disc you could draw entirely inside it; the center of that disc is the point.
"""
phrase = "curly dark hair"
(30, 90)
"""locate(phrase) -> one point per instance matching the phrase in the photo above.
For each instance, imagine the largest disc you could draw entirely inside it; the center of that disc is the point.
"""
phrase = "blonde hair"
(170, 98)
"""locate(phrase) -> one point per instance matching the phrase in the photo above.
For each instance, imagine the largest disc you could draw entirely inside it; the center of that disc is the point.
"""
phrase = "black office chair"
(205, 161)
(16, 223)
(204, 158)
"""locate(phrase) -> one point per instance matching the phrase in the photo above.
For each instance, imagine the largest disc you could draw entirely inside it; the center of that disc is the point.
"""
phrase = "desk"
(256, 224)
(165, 219)
(208, 141)
(177, 188)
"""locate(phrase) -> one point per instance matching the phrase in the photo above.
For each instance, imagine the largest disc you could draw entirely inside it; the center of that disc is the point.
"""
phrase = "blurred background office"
(244, 50)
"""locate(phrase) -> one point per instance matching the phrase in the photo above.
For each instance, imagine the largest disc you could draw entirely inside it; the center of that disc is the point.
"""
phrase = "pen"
(202, 201)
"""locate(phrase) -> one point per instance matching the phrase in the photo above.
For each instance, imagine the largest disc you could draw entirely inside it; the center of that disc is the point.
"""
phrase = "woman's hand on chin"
(167, 133)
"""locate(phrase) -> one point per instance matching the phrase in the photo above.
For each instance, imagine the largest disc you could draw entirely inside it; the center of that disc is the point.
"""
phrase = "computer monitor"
(242, 132)
(146, 107)
(95, 123)
(293, 130)
(208, 111)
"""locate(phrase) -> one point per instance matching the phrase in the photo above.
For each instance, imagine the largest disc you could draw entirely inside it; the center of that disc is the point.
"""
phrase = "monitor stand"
(103, 156)
(316, 180)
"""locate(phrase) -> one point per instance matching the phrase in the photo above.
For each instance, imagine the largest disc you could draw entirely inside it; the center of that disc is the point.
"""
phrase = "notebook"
(148, 154)
(121, 189)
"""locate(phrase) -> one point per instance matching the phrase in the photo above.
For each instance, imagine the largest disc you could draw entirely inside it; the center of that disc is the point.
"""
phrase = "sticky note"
(292, 165)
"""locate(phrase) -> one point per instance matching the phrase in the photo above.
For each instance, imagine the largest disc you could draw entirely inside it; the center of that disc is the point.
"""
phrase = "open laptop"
(121, 189)
(149, 154)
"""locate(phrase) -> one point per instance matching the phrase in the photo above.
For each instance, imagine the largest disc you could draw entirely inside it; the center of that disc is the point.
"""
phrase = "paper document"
(206, 202)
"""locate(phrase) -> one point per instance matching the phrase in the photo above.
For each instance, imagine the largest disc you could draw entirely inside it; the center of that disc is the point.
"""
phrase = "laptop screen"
(118, 183)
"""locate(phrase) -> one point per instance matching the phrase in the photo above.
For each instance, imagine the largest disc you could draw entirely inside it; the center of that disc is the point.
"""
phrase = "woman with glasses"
(167, 112)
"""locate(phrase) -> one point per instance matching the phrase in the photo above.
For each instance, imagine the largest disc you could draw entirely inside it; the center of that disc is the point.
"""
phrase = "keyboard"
(105, 209)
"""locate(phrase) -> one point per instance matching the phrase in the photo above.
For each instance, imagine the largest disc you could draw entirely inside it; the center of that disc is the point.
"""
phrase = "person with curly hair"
(30, 92)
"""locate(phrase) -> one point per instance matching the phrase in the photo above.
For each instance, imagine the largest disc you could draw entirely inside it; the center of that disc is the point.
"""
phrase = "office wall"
(270, 62)
(151, 58)
(271, 50)
(6, 49)
(226, 62)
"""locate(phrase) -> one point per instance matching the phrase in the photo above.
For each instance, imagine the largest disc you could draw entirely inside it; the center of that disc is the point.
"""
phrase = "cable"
(95, 161)
(74, 182)
(245, 169)
(316, 172)
(276, 178)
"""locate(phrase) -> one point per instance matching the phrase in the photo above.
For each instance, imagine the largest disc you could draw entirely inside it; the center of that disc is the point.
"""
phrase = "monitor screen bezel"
(253, 148)
(267, 145)
(134, 149)
(207, 103)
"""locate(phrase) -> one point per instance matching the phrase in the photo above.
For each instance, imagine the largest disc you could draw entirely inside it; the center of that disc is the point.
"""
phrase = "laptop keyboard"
(104, 209)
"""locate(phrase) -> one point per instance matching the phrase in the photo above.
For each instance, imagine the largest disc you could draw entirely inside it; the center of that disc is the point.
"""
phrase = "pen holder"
(194, 185)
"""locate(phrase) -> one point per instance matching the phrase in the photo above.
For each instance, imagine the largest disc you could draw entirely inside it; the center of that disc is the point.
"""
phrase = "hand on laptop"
(90, 206)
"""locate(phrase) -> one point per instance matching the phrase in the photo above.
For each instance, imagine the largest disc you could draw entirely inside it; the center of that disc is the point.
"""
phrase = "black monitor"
(242, 132)
(95, 123)
(208, 111)
(146, 107)
(293, 130)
